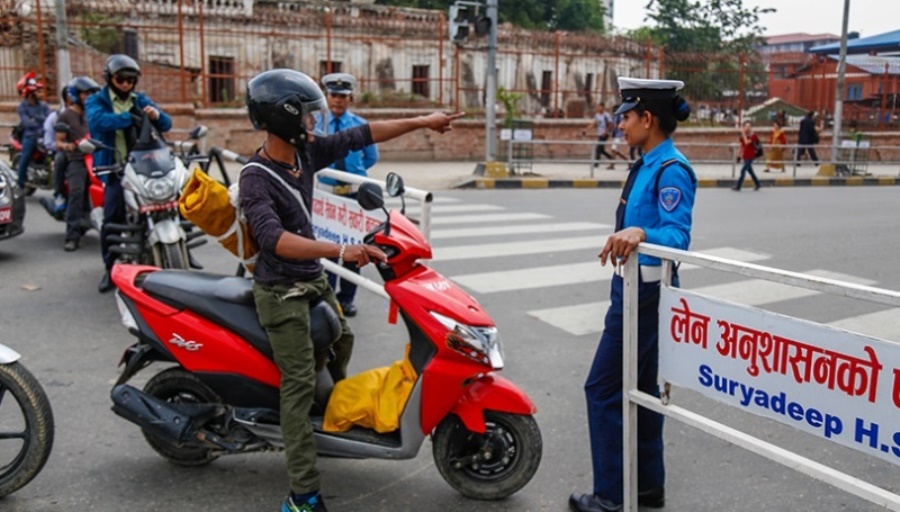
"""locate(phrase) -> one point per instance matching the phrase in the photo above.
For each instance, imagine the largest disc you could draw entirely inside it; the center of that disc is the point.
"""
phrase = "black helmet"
(284, 102)
(120, 64)
(81, 84)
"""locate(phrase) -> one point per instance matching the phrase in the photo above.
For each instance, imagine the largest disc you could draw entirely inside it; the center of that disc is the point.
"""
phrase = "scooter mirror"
(198, 132)
(88, 146)
(394, 184)
(370, 196)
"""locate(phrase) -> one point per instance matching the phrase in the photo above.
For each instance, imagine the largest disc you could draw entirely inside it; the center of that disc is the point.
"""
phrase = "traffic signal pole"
(490, 142)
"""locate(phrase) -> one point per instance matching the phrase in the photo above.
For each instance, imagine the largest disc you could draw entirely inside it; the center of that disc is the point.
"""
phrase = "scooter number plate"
(6, 215)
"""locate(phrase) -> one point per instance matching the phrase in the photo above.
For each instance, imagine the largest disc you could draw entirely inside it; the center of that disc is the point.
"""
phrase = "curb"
(533, 183)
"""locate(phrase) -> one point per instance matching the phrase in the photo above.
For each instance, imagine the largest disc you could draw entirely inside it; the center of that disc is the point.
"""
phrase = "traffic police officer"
(655, 207)
(339, 88)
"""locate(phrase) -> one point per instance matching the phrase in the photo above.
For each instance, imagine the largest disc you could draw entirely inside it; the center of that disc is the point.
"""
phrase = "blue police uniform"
(659, 198)
(356, 162)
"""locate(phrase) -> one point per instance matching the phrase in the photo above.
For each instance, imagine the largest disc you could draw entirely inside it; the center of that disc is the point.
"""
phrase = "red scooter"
(222, 396)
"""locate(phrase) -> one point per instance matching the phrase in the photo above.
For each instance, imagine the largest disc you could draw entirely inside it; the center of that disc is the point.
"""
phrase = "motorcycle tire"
(32, 440)
(176, 385)
(171, 255)
(510, 451)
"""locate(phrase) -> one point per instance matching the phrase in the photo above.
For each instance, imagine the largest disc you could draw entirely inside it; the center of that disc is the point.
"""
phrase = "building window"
(130, 43)
(546, 88)
(323, 67)
(588, 88)
(854, 92)
(420, 83)
(221, 79)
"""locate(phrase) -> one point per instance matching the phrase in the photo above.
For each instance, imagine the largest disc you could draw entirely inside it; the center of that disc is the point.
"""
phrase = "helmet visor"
(307, 113)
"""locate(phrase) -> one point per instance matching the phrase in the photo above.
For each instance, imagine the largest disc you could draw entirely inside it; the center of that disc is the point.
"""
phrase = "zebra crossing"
(455, 238)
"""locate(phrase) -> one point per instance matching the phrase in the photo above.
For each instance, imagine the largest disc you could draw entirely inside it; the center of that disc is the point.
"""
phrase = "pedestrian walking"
(604, 124)
(656, 207)
(751, 149)
(777, 141)
(808, 138)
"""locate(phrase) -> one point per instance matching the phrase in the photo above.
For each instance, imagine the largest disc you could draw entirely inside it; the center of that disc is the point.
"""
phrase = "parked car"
(12, 204)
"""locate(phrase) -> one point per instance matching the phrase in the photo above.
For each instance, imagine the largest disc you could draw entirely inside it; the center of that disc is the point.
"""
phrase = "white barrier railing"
(632, 397)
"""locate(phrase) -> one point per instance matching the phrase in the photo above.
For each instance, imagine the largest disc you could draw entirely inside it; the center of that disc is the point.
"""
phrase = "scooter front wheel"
(489, 466)
(26, 427)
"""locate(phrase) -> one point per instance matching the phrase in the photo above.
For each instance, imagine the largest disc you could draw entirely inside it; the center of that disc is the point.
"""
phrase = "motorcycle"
(221, 396)
(40, 164)
(26, 424)
(94, 192)
(152, 178)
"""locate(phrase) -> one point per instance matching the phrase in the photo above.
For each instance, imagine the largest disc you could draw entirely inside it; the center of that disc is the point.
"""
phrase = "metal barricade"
(632, 397)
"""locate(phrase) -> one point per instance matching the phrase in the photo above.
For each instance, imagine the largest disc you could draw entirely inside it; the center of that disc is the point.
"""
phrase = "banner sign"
(341, 219)
(837, 385)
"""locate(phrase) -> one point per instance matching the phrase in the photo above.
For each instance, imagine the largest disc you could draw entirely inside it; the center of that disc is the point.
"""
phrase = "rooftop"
(882, 43)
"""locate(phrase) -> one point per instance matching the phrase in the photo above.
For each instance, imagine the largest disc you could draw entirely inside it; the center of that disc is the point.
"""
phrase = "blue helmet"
(79, 85)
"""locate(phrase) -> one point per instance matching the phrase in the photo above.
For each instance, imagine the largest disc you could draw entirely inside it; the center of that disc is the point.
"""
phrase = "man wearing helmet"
(71, 127)
(32, 113)
(110, 115)
(288, 275)
(59, 159)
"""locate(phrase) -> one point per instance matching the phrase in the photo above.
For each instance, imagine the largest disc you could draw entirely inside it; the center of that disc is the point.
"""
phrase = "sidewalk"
(449, 175)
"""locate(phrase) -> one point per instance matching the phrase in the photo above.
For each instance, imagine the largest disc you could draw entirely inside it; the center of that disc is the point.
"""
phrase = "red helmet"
(28, 84)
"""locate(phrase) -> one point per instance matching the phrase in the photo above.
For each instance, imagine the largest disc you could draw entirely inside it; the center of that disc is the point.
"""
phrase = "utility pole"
(491, 86)
(64, 68)
(839, 100)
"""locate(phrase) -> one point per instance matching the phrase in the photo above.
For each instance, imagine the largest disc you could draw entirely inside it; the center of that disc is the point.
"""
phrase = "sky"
(868, 17)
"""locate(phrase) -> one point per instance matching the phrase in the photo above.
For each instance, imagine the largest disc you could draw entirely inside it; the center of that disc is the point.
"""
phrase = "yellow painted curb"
(535, 183)
(783, 182)
(484, 183)
(820, 182)
(886, 180)
(708, 183)
(584, 183)
(855, 181)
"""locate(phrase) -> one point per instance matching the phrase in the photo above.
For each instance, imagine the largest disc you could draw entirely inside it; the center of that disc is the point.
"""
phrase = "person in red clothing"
(749, 146)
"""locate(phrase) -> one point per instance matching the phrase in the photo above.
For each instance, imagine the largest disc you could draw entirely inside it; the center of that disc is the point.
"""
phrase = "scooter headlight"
(479, 343)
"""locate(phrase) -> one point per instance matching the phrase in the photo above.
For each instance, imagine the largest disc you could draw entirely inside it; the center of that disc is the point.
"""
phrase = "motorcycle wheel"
(171, 255)
(26, 429)
(178, 386)
(509, 454)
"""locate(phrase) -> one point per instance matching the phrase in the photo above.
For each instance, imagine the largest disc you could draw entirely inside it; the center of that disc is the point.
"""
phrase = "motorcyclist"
(71, 127)
(32, 112)
(288, 274)
(111, 116)
(59, 158)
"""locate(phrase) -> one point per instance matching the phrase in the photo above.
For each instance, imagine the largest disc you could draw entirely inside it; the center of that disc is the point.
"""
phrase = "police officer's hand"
(151, 112)
(440, 122)
(620, 244)
(363, 254)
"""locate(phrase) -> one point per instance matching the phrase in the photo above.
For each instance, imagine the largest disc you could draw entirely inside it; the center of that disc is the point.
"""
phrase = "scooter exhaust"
(153, 415)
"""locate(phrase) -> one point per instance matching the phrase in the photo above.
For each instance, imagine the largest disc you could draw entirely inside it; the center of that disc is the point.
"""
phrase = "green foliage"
(99, 31)
(574, 15)
(510, 102)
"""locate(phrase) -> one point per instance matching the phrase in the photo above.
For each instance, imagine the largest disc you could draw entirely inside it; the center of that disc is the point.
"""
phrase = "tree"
(707, 43)
(574, 15)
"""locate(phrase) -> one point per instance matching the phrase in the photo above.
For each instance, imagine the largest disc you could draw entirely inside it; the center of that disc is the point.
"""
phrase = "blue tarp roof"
(887, 42)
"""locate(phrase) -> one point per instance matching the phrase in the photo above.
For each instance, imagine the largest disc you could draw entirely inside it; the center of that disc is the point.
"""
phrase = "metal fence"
(202, 52)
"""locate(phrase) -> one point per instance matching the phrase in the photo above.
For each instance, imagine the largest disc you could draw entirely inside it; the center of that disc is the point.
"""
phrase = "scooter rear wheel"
(26, 433)
(489, 466)
(178, 386)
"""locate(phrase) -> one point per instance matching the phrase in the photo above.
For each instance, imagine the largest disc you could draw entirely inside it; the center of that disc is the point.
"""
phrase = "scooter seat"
(228, 302)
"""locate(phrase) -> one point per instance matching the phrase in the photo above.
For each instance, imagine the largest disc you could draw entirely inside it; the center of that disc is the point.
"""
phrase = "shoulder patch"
(669, 198)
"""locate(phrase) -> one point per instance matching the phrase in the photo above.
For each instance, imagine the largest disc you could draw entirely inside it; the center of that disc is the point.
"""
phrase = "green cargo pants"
(283, 312)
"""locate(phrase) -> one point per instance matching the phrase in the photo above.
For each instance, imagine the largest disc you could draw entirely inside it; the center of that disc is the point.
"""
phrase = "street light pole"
(64, 68)
(490, 143)
(839, 100)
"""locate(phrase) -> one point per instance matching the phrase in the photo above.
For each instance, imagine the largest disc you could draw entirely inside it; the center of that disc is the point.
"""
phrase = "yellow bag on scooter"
(372, 399)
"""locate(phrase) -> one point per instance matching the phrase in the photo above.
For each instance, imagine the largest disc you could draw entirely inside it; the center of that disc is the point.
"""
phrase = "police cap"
(339, 83)
(636, 90)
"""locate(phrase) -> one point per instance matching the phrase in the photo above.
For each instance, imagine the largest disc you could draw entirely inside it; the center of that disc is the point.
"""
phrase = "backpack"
(759, 149)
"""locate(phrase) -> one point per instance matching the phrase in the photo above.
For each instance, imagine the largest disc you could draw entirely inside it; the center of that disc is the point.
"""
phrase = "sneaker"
(315, 504)
(349, 309)
(70, 245)
(59, 203)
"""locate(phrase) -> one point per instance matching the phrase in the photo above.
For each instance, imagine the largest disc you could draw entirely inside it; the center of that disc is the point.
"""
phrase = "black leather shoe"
(106, 283)
(349, 309)
(651, 498)
(589, 502)
(194, 263)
